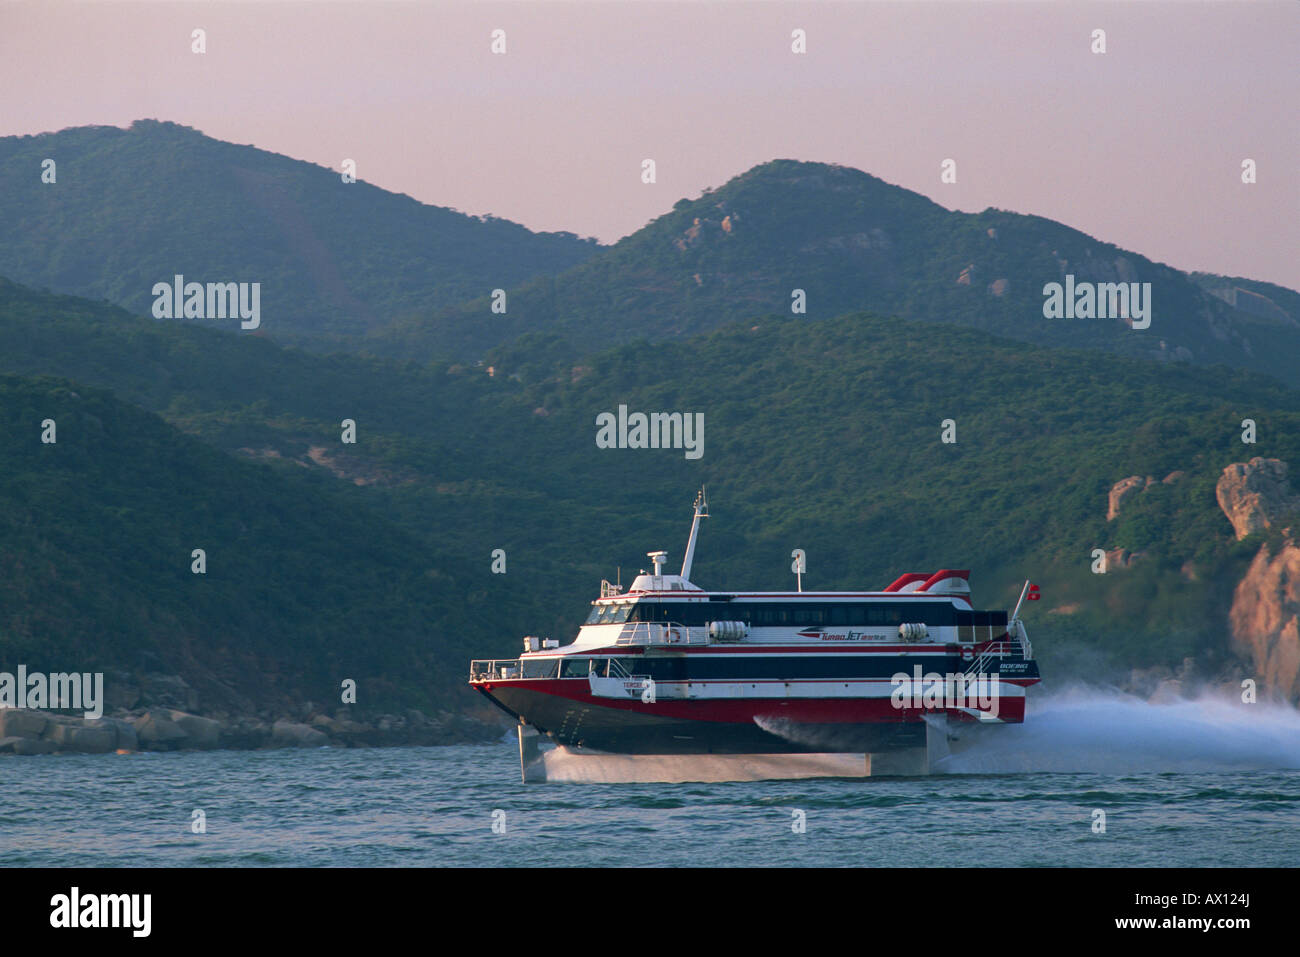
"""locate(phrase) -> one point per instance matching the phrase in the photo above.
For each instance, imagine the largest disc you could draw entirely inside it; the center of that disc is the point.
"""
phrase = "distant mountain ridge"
(849, 241)
(353, 267)
(132, 207)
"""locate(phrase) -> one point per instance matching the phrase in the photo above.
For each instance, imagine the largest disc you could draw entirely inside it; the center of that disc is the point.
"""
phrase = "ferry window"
(839, 615)
(594, 616)
(938, 614)
(803, 616)
(661, 669)
(575, 668)
(540, 668)
(695, 613)
(599, 667)
(645, 611)
(884, 614)
(620, 616)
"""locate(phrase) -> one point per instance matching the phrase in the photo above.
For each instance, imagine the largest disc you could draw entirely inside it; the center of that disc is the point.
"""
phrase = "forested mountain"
(375, 557)
(355, 268)
(850, 241)
(129, 208)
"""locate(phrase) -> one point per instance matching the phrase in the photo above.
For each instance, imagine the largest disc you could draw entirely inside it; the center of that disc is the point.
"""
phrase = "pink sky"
(1141, 147)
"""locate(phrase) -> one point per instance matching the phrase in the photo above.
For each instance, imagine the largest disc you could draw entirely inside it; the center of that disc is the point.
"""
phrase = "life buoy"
(967, 652)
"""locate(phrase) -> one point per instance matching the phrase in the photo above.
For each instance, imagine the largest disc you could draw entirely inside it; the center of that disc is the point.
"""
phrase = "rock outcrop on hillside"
(1255, 494)
(1265, 614)
(1122, 490)
(1122, 558)
(1265, 619)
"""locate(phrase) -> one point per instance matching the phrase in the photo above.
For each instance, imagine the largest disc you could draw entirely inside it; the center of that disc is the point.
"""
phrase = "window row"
(777, 614)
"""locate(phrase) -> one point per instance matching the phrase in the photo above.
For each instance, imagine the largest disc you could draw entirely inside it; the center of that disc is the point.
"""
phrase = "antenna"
(701, 511)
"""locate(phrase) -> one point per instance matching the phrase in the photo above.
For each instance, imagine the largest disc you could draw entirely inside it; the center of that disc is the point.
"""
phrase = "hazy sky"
(1141, 146)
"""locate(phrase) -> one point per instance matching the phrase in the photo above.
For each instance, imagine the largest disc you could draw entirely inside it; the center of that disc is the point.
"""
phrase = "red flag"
(1033, 592)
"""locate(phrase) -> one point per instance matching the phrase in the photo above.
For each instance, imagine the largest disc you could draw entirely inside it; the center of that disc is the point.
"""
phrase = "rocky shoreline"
(29, 732)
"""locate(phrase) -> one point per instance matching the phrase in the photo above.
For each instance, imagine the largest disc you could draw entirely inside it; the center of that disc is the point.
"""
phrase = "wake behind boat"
(667, 668)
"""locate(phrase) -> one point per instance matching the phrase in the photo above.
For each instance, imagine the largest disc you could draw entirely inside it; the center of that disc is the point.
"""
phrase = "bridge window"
(540, 667)
(575, 668)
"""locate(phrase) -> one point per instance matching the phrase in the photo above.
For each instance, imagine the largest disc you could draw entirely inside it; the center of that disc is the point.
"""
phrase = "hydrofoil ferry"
(668, 668)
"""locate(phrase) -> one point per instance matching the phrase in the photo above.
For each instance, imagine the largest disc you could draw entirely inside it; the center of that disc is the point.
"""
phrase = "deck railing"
(1014, 643)
(484, 669)
(662, 633)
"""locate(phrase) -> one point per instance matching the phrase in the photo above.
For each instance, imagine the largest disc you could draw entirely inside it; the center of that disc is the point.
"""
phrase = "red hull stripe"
(745, 711)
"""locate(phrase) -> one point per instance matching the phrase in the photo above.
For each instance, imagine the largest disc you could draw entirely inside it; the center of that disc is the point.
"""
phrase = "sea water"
(1092, 778)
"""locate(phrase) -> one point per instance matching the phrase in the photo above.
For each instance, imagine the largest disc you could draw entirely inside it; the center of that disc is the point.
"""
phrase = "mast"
(701, 511)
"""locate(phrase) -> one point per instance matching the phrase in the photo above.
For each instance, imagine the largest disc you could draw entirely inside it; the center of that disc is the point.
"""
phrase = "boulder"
(355, 734)
(83, 739)
(245, 734)
(202, 733)
(124, 736)
(32, 746)
(158, 732)
(16, 723)
(290, 734)
(1255, 494)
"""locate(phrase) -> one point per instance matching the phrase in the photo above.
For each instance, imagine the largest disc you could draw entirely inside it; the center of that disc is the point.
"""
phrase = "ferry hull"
(570, 715)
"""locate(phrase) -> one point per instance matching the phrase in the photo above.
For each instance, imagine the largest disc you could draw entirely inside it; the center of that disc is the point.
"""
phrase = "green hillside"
(132, 207)
(821, 435)
(852, 242)
(305, 583)
(353, 267)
